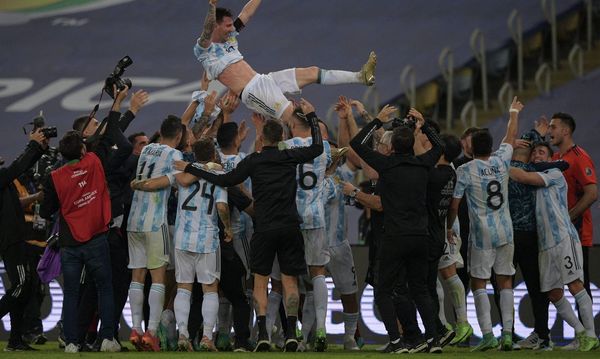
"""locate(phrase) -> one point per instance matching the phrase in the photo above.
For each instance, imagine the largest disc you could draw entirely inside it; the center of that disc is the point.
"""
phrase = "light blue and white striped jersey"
(551, 212)
(486, 186)
(218, 56)
(310, 176)
(200, 96)
(149, 209)
(230, 162)
(197, 224)
(336, 218)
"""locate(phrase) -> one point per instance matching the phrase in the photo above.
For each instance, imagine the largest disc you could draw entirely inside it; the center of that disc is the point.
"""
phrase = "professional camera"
(39, 122)
(115, 77)
(408, 122)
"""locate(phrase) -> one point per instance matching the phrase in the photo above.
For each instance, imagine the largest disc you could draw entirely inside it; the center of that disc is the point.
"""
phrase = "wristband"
(513, 110)
(354, 192)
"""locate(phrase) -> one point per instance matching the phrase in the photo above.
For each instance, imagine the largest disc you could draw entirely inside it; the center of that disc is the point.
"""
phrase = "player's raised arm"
(248, 11)
(513, 122)
(209, 24)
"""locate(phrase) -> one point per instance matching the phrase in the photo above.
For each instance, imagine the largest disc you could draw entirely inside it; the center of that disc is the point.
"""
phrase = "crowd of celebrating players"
(201, 237)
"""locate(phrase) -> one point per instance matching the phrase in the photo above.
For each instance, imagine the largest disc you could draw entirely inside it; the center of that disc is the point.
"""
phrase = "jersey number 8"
(495, 198)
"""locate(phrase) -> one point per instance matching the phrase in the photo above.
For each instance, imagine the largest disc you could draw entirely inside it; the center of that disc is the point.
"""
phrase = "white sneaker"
(71, 348)
(531, 342)
(574, 345)
(110, 345)
(350, 343)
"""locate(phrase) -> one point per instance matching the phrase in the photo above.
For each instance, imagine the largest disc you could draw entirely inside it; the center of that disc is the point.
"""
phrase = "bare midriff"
(236, 76)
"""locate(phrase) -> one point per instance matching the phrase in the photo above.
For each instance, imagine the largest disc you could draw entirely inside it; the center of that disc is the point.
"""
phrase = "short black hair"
(70, 145)
(482, 142)
(133, 136)
(403, 140)
(204, 149)
(80, 122)
(566, 119)
(222, 12)
(184, 138)
(170, 127)
(469, 131)
(226, 134)
(155, 138)
(544, 144)
(452, 148)
(272, 131)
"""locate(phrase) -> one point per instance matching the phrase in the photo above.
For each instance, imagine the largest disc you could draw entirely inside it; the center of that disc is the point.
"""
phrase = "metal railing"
(408, 84)
(549, 10)
(589, 18)
(576, 60)
(505, 96)
(515, 27)
(469, 110)
(543, 74)
(478, 47)
(446, 64)
(371, 100)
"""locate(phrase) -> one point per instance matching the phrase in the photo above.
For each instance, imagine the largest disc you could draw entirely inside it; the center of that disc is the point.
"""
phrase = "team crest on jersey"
(588, 171)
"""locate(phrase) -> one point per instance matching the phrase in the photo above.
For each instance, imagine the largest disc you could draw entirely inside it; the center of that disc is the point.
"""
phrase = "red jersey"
(84, 197)
(581, 173)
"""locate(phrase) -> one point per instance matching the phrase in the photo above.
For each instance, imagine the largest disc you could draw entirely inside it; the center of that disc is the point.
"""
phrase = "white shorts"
(481, 261)
(286, 81)
(316, 246)
(560, 265)
(205, 267)
(149, 249)
(341, 267)
(451, 254)
(262, 95)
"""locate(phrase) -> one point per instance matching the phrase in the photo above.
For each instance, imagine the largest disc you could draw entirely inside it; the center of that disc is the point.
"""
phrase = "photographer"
(12, 241)
(403, 257)
(117, 177)
(79, 190)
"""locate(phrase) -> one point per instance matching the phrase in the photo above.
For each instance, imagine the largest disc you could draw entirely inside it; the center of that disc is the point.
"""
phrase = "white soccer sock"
(308, 315)
(585, 309)
(440, 295)
(182, 310)
(136, 302)
(350, 323)
(507, 308)
(210, 308)
(321, 295)
(273, 303)
(563, 307)
(482, 307)
(338, 77)
(224, 316)
(456, 290)
(156, 301)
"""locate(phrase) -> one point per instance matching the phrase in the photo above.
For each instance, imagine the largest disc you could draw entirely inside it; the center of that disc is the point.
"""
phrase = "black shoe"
(435, 346)
(61, 335)
(291, 345)
(418, 347)
(19, 347)
(398, 347)
(263, 344)
(446, 337)
(242, 347)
